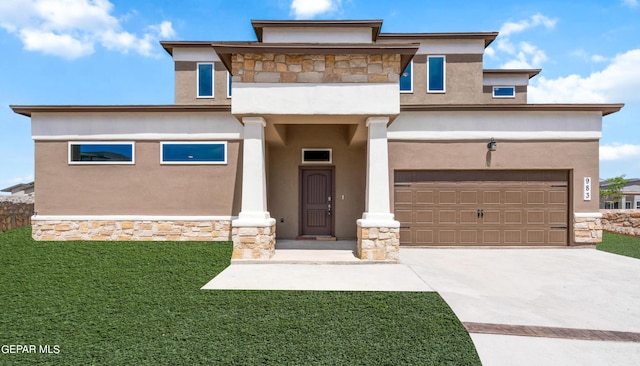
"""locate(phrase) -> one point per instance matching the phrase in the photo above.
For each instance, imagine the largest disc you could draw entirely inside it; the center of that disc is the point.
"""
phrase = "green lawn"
(137, 303)
(620, 244)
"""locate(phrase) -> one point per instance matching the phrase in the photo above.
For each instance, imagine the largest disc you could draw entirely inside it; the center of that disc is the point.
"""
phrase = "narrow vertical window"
(229, 84)
(436, 74)
(205, 80)
(406, 79)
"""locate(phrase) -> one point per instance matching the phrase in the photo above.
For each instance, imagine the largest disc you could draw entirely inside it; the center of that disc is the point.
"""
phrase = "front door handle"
(329, 209)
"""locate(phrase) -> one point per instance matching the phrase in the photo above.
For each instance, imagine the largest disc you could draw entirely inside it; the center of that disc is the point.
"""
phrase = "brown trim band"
(530, 72)
(552, 332)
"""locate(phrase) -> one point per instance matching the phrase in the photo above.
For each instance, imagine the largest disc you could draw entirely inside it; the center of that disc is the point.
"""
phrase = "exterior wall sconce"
(492, 145)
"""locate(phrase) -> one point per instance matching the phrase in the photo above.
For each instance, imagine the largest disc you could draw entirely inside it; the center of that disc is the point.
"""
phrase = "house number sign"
(587, 188)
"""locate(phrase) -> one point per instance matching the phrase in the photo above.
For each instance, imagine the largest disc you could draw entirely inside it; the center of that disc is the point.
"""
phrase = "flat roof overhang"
(530, 72)
(226, 49)
(259, 25)
(605, 109)
(488, 37)
(28, 110)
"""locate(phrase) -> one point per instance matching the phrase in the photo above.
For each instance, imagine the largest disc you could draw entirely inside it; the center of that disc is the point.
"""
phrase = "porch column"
(253, 232)
(378, 232)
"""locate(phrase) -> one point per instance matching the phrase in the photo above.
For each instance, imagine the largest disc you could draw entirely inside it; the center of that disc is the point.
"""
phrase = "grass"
(140, 303)
(620, 244)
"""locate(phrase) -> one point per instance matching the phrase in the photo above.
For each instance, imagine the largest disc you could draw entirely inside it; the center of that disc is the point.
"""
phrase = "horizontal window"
(205, 80)
(101, 153)
(193, 152)
(406, 79)
(316, 156)
(436, 71)
(504, 91)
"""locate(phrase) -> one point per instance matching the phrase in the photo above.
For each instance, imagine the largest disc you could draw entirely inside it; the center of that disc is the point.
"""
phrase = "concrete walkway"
(521, 306)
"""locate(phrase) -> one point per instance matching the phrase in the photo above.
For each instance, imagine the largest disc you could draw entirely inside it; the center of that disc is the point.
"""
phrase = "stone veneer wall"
(625, 222)
(143, 230)
(254, 242)
(587, 230)
(15, 211)
(379, 243)
(281, 68)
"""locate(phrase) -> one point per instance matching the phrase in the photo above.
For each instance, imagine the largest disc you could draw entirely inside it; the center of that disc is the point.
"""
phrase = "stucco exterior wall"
(186, 84)
(145, 188)
(283, 182)
(580, 157)
(463, 81)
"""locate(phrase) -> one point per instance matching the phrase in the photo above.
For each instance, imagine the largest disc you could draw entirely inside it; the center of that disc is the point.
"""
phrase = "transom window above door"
(316, 156)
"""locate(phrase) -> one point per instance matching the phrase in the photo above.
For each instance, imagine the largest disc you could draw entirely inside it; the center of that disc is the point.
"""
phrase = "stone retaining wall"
(15, 211)
(625, 222)
(143, 230)
(281, 68)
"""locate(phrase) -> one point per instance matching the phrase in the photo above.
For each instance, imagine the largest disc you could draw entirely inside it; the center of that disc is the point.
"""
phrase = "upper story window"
(101, 153)
(406, 79)
(229, 84)
(504, 91)
(436, 71)
(205, 80)
(193, 152)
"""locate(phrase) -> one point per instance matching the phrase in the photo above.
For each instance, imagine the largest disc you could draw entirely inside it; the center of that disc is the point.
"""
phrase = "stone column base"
(587, 230)
(378, 243)
(254, 242)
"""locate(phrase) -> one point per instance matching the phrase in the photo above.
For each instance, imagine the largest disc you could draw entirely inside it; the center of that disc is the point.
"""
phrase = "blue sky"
(107, 52)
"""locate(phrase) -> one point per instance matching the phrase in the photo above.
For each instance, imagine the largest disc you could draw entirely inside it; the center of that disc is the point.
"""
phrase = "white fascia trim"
(251, 222)
(482, 135)
(595, 215)
(129, 218)
(142, 136)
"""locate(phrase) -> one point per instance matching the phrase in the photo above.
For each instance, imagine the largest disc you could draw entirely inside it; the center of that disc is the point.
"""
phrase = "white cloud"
(307, 9)
(630, 3)
(71, 28)
(599, 58)
(619, 152)
(619, 81)
(523, 54)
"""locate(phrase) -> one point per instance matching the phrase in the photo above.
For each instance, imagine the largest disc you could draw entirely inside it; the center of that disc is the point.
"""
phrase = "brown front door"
(316, 201)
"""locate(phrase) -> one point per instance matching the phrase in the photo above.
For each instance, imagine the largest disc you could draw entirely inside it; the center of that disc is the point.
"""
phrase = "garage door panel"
(468, 217)
(424, 196)
(557, 217)
(424, 216)
(447, 198)
(491, 217)
(468, 197)
(404, 196)
(535, 197)
(468, 237)
(513, 197)
(513, 217)
(447, 217)
(491, 197)
(515, 207)
(558, 197)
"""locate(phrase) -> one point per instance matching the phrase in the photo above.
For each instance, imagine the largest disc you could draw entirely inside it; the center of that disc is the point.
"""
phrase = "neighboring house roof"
(19, 187)
(632, 186)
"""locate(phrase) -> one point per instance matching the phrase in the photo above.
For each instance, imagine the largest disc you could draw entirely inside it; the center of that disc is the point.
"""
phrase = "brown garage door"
(482, 207)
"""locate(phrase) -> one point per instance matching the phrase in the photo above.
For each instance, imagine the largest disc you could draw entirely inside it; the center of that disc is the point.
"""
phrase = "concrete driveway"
(539, 306)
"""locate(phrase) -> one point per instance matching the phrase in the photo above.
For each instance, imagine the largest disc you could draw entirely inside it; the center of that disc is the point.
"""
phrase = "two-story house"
(325, 129)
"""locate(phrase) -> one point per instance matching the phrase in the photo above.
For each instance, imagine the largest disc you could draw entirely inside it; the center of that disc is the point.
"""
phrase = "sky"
(105, 52)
